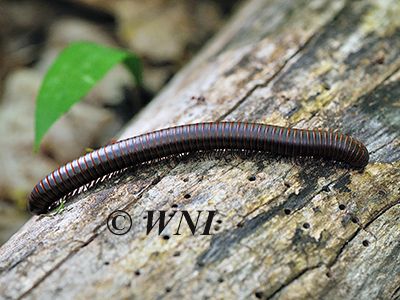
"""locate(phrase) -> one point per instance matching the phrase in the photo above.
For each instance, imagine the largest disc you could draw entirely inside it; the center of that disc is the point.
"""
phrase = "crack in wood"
(250, 92)
(293, 279)
(59, 264)
(92, 238)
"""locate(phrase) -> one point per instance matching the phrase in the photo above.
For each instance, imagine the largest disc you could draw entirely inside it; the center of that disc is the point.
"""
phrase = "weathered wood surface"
(304, 228)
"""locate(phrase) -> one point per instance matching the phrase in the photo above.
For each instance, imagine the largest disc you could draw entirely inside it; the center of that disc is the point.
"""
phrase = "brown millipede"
(191, 138)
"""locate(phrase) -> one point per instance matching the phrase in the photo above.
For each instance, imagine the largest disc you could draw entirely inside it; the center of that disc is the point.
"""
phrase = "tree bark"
(285, 227)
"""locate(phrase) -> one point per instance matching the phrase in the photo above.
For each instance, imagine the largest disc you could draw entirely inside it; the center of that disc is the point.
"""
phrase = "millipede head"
(34, 208)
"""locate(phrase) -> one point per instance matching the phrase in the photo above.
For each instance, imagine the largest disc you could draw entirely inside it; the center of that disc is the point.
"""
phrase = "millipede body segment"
(191, 138)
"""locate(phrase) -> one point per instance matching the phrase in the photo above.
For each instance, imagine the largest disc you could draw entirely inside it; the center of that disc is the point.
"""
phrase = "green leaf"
(77, 69)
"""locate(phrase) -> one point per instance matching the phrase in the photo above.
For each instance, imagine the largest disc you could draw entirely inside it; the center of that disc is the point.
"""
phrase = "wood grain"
(287, 228)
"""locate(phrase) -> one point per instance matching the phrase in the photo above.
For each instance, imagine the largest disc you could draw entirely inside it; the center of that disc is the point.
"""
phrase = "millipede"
(191, 138)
